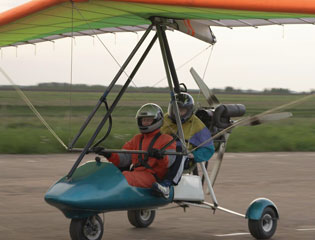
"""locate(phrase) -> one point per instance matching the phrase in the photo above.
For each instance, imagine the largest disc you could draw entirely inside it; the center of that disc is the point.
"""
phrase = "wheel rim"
(92, 229)
(267, 222)
(145, 214)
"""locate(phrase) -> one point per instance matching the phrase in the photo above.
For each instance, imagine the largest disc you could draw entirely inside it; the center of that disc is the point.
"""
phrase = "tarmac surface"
(287, 179)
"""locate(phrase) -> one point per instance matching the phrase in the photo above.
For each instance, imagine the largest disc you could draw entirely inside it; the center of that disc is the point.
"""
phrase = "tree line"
(66, 87)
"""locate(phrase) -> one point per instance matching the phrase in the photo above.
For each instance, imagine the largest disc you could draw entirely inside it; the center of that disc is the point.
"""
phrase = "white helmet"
(150, 110)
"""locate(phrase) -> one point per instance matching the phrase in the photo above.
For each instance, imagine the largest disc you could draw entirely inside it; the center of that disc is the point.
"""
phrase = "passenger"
(195, 133)
(147, 168)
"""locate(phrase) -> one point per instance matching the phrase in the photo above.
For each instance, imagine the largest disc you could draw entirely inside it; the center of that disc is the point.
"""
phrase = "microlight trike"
(97, 187)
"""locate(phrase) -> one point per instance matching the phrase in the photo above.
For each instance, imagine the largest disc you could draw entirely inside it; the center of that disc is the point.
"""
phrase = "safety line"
(30, 105)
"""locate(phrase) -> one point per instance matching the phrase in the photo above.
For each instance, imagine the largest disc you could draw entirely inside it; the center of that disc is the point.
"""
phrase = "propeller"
(254, 118)
(214, 103)
(206, 92)
(268, 117)
(227, 111)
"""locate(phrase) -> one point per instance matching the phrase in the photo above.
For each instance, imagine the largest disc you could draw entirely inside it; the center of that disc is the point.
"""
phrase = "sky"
(243, 58)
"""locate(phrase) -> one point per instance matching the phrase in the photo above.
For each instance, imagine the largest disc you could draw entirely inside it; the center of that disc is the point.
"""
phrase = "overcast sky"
(246, 58)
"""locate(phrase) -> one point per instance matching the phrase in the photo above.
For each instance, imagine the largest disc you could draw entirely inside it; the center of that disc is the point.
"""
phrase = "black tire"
(141, 218)
(90, 228)
(266, 226)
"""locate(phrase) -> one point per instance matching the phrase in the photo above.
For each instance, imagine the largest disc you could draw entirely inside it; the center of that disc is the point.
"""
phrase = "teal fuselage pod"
(99, 187)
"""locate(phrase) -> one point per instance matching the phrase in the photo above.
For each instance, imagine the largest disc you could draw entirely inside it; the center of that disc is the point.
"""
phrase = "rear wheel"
(90, 228)
(266, 226)
(141, 218)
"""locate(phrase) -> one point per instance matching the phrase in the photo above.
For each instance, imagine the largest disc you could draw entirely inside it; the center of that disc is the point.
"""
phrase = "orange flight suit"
(142, 176)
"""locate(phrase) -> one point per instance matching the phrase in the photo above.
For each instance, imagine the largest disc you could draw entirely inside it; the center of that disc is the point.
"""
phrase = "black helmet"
(150, 110)
(184, 101)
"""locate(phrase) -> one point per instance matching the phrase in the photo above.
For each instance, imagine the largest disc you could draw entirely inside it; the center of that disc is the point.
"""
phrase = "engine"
(220, 118)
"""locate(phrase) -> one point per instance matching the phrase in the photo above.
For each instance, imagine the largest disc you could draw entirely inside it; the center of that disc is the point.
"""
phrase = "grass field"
(22, 132)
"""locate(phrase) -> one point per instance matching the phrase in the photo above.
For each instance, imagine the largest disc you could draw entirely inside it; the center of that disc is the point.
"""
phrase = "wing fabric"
(46, 20)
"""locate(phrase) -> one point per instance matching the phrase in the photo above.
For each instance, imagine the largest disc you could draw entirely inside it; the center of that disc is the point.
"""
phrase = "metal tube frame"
(169, 69)
(170, 61)
(167, 60)
(131, 151)
(205, 174)
(112, 84)
(217, 162)
(211, 206)
(100, 126)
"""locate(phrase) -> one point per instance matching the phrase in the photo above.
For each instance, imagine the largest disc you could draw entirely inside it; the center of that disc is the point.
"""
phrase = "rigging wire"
(203, 77)
(71, 81)
(198, 97)
(182, 65)
(206, 68)
(31, 106)
(100, 40)
(109, 52)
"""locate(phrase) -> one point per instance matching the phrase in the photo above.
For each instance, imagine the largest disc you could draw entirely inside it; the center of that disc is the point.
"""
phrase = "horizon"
(243, 58)
(275, 90)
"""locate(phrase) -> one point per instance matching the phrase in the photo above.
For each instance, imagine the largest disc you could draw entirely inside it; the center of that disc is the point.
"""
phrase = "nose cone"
(92, 186)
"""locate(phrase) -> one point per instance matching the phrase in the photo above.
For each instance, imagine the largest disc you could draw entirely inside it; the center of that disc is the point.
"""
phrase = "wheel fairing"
(257, 207)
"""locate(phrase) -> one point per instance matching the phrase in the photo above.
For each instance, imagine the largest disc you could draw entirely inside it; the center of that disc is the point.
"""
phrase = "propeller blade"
(267, 118)
(206, 92)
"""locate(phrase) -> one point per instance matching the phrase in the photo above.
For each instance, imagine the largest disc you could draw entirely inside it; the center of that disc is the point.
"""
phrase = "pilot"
(195, 133)
(147, 168)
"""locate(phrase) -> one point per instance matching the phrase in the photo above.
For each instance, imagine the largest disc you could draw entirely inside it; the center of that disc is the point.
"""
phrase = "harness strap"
(144, 162)
(168, 144)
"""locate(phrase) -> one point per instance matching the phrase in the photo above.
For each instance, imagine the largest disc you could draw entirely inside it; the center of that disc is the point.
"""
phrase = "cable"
(71, 80)
(189, 60)
(198, 97)
(109, 52)
(31, 106)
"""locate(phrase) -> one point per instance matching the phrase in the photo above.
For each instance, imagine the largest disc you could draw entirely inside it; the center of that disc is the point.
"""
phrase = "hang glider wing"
(46, 20)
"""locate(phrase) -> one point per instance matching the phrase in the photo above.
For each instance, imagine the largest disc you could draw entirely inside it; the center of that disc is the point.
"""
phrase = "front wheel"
(90, 228)
(266, 226)
(141, 218)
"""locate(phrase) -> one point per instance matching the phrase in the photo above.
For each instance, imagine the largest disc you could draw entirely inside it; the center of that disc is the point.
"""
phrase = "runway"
(286, 178)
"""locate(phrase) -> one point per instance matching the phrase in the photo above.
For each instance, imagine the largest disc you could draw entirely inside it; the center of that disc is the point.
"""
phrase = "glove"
(100, 151)
(156, 153)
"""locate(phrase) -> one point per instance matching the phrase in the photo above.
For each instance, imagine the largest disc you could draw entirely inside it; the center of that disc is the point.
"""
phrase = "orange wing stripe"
(288, 6)
(29, 8)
